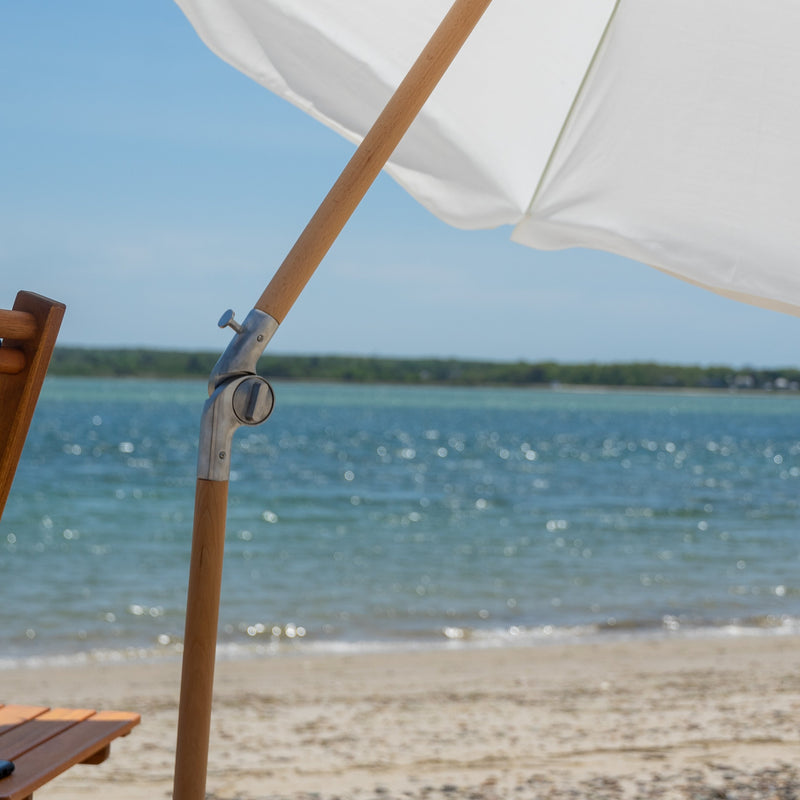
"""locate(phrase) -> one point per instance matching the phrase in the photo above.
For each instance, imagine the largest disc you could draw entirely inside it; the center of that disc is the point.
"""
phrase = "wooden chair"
(28, 334)
(42, 742)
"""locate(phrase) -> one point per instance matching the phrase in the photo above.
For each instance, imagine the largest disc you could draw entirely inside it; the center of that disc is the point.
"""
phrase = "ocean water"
(367, 517)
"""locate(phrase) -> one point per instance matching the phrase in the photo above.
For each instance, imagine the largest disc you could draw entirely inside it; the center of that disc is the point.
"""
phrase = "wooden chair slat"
(12, 360)
(17, 324)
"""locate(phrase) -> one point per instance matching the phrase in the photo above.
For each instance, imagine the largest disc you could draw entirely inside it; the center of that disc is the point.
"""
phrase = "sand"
(677, 718)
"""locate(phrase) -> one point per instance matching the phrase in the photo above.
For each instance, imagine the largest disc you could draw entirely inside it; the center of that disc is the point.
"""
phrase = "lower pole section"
(200, 640)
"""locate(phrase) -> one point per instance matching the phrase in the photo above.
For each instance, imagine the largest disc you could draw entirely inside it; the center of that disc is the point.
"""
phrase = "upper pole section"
(369, 159)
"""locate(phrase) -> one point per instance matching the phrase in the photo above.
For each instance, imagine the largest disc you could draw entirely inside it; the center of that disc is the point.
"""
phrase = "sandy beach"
(679, 718)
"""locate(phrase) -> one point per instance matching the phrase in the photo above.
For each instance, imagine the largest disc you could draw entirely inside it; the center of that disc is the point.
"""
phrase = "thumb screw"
(227, 321)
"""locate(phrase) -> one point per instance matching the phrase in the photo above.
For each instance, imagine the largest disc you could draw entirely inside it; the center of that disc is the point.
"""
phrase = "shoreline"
(549, 636)
(671, 718)
(552, 387)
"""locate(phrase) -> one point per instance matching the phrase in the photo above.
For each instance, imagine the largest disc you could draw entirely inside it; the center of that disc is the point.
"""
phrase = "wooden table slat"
(13, 715)
(34, 732)
(77, 743)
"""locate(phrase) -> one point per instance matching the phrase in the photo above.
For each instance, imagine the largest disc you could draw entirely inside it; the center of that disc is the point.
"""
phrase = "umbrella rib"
(568, 116)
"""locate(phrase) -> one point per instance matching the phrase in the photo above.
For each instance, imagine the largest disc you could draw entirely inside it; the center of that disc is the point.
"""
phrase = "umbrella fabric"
(663, 132)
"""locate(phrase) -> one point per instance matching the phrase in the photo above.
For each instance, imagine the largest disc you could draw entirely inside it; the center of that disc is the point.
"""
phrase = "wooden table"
(44, 742)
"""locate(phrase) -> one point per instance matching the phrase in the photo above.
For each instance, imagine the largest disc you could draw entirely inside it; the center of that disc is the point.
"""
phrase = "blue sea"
(366, 517)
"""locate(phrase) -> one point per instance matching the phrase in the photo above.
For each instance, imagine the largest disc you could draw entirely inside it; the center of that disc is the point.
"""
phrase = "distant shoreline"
(147, 363)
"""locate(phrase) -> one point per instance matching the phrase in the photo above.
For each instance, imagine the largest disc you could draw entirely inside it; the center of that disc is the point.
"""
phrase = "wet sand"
(679, 718)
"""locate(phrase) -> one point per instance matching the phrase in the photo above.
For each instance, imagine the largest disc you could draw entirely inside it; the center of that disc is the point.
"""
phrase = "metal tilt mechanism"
(240, 397)
(237, 396)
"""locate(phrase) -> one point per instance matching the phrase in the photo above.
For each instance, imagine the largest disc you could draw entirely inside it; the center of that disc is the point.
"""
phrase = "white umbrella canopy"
(663, 132)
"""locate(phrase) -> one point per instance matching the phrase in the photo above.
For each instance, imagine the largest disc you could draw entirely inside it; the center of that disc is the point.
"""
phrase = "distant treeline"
(74, 361)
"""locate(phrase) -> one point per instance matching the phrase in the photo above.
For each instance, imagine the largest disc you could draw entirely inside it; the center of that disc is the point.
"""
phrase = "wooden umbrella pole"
(202, 611)
(369, 159)
(200, 640)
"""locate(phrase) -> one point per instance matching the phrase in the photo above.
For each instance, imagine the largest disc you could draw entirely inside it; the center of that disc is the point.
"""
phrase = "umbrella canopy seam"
(590, 66)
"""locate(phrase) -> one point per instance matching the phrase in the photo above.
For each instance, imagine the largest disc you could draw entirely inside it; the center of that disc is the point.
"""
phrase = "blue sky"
(150, 186)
